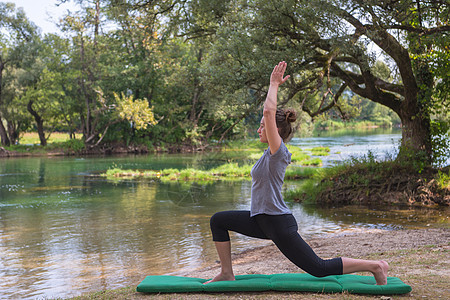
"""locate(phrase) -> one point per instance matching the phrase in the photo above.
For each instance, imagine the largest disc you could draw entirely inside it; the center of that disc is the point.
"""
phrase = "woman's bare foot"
(221, 277)
(380, 273)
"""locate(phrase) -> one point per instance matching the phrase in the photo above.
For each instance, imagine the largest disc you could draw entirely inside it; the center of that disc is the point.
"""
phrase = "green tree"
(83, 27)
(135, 111)
(35, 92)
(18, 37)
(120, 59)
(58, 84)
(226, 99)
(162, 65)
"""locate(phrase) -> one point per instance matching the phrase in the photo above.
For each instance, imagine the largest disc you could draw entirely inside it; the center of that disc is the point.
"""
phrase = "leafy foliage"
(137, 112)
(201, 69)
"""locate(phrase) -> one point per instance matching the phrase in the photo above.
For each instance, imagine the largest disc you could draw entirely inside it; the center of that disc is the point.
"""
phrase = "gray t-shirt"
(267, 180)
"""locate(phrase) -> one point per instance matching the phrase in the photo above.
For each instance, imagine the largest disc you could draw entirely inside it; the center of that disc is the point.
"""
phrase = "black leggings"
(282, 230)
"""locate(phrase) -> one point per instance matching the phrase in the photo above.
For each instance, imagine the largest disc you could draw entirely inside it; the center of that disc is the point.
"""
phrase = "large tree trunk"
(197, 92)
(87, 120)
(13, 132)
(39, 123)
(3, 133)
(417, 131)
(416, 142)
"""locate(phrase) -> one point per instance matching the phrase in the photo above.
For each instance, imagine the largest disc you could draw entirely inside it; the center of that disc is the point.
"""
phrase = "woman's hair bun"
(291, 115)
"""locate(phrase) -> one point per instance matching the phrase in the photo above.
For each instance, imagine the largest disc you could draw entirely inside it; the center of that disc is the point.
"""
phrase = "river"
(65, 231)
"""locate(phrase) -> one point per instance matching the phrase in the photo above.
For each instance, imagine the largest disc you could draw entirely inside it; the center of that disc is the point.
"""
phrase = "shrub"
(74, 145)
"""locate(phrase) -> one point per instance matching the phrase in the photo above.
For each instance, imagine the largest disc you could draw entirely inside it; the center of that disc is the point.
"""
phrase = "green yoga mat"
(300, 282)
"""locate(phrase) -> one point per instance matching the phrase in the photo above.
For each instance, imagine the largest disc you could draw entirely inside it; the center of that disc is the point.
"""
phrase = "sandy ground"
(269, 260)
(419, 257)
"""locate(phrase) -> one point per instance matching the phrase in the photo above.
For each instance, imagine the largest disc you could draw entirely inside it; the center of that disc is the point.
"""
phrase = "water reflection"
(64, 231)
(387, 218)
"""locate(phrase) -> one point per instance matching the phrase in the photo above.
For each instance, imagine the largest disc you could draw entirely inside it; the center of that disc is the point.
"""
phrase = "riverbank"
(388, 183)
(419, 257)
(59, 144)
(76, 149)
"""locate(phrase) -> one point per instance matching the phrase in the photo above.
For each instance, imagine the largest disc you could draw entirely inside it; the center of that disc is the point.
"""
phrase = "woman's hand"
(277, 74)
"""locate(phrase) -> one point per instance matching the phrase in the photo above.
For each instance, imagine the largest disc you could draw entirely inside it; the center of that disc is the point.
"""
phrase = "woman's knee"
(217, 218)
(218, 228)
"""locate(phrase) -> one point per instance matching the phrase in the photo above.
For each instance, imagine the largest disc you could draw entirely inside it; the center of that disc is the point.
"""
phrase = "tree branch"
(421, 31)
(385, 98)
(392, 47)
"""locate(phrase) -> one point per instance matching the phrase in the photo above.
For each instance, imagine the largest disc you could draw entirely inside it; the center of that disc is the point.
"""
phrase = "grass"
(32, 138)
(306, 192)
(301, 158)
(425, 268)
(320, 151)
(225, 172)
(300, 173)
(365, 177)
(230, 171)
(443, 179)
(58, 142)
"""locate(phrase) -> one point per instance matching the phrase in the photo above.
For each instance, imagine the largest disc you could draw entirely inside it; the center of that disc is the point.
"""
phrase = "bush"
(74, 145)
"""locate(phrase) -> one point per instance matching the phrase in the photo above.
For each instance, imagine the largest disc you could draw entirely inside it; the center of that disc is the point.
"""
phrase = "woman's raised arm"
(270, 106)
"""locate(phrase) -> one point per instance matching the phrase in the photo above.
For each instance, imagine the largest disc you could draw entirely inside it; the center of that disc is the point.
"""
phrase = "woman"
(269, 217)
